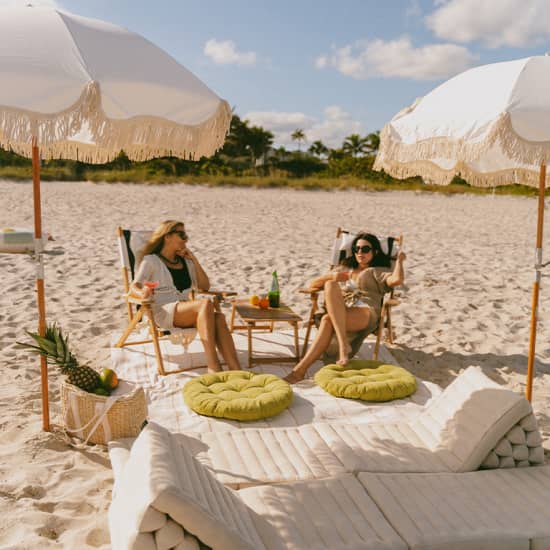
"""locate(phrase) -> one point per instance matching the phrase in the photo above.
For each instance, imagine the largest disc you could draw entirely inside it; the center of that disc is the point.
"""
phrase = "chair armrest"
(138, 301)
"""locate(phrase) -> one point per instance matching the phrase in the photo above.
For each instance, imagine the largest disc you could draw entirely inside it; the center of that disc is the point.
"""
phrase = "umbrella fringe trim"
(501, 133)
(141, 138)
(433, 174)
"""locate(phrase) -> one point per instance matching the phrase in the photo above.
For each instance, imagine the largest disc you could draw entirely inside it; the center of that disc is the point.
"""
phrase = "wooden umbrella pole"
(536, 285)
(39, 258)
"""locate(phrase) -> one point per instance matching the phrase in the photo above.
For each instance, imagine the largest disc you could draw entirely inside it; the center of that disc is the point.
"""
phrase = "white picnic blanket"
(311, 404)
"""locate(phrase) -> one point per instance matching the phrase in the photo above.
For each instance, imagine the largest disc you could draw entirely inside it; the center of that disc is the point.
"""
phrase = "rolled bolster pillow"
(19, 240)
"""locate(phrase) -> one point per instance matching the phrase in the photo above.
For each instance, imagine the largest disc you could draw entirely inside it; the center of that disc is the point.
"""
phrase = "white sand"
(466, 302)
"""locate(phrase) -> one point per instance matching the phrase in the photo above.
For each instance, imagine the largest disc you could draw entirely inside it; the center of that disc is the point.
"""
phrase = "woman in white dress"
(167, 260)
(353, 298)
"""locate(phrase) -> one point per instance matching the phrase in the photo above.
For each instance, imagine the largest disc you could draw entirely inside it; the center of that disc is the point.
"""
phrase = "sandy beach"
(466, 301)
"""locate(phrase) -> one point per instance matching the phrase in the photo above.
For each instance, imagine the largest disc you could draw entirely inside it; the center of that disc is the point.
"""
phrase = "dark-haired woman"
(353, 298)
(168, 261)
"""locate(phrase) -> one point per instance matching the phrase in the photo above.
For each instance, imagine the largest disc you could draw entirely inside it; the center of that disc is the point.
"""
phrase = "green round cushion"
(238, 395)
(366, 380)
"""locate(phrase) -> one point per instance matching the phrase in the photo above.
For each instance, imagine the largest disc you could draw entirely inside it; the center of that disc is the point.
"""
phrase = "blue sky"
(331, 68)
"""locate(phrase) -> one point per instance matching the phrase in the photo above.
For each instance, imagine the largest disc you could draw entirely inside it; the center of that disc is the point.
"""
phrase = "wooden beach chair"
(129, 243)
(341, 249)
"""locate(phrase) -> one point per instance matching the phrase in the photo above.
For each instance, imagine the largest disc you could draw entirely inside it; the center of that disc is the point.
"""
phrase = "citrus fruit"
(254, 300)
(109, 379)
(263, 303)
(102, 391)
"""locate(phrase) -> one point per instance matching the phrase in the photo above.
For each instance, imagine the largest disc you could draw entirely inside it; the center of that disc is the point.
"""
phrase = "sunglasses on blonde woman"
(182, 234)
(364, 249)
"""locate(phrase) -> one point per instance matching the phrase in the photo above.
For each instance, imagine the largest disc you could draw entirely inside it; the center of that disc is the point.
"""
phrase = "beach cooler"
(19, 240)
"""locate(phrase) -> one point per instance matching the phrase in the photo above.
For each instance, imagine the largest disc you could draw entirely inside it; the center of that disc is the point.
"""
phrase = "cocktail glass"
(151, 285)
(187, 336)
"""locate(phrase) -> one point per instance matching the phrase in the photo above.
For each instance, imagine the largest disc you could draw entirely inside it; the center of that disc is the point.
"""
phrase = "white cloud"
(11, 3)
(224, 52)
(495, 23)
(397, 59)
(335, 125)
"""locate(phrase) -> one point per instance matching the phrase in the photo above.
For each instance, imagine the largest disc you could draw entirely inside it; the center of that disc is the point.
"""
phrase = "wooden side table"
(255, 318)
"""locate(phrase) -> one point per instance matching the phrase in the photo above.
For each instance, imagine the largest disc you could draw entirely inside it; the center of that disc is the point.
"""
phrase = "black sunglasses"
(182, 234)
(365, 249)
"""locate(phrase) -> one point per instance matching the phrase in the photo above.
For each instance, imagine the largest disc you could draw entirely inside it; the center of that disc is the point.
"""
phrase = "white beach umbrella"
(83, 89)
(491, 126)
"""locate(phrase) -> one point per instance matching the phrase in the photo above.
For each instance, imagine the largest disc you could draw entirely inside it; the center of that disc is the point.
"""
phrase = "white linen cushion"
(162, 474)
(247, 457)
(332, 513)
(493, 510)
(455, 432)
(465, 422)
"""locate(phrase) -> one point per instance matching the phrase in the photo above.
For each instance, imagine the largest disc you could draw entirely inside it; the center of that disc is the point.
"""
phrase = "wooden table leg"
(296, 342)
(232, 322)
(249, 328)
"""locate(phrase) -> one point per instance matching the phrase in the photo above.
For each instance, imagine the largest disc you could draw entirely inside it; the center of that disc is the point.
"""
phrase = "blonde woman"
(167, 260)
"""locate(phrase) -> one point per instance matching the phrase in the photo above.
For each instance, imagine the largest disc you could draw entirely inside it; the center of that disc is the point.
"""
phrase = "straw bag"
(99, 419)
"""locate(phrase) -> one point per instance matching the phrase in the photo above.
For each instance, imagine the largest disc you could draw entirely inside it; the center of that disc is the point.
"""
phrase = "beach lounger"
(492, 510)
(130, 242)
(474, 423)
(163, 495)
(341, 248)
(163, 498)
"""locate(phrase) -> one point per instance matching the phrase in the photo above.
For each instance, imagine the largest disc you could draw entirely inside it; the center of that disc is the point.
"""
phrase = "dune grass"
(141, 174)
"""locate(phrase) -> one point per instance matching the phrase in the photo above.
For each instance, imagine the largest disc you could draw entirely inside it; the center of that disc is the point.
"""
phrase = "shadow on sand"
(444, 367)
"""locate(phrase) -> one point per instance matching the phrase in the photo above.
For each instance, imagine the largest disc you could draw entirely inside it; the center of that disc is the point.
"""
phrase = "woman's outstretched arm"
(398, 275)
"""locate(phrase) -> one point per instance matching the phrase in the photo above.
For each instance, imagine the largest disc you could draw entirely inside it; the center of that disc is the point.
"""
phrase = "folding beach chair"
(130, 242)
(340, 250)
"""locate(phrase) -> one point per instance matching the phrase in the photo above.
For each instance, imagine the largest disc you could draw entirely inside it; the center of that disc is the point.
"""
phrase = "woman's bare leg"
(200, 313)
(318, 346)
(336, 308)
(225, 343)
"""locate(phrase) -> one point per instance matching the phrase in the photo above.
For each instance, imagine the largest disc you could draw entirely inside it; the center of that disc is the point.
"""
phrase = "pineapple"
(55, 347)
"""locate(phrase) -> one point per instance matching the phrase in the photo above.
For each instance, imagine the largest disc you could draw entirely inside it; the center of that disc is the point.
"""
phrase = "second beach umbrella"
(491, 126)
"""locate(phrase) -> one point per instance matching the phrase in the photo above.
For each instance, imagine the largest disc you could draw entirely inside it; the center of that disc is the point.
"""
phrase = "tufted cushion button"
(366, 380)
(238, 395)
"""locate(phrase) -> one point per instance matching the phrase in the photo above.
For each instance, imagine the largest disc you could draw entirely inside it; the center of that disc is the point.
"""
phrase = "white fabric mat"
(311, 403)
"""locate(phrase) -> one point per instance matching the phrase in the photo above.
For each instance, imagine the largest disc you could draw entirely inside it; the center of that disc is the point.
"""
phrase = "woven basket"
(84, 414)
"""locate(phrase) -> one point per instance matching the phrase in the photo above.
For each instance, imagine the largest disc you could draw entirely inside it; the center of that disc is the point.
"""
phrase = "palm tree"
(299, 136)
(259, 141)
(318, 148)
(354, 145)
(373, 142)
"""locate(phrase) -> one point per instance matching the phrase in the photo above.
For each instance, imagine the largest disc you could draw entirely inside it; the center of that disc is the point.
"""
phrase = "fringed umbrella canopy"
(82, 89)
(87, 89)
(490, 125)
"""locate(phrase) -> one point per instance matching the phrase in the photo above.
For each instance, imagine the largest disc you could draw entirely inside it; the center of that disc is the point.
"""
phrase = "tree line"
(248, 151)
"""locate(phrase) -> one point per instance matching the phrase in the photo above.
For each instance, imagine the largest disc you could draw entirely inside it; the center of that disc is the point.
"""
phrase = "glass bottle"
(274, 295)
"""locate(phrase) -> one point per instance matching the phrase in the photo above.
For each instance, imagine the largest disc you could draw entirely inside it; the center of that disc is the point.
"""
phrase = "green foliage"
(248, 159)
(299, 165)
(342, 165)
